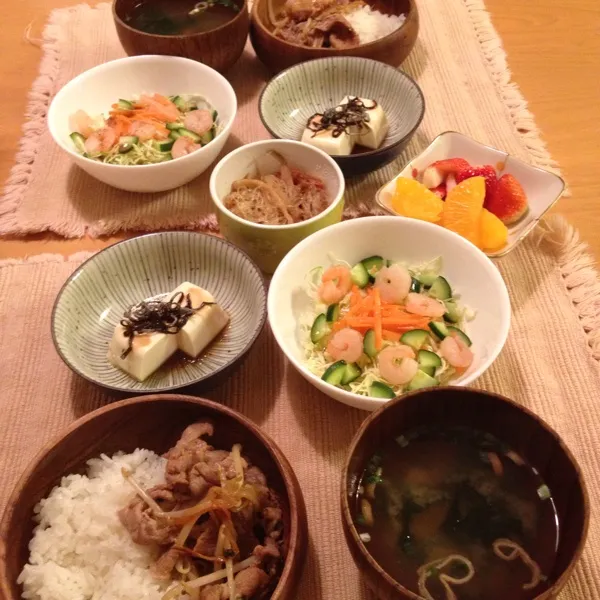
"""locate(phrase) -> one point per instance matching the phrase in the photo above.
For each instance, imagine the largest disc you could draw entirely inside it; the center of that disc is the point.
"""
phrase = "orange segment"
(463, 207)
(493, 233)
(413, 199)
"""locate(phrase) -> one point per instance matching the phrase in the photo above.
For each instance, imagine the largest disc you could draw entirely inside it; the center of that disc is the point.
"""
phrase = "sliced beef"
(206, 537)
(214, 592)
(268, 550)
(341, 34)
(188, 451)
(164, 566)
(143, 525)
(250, 582)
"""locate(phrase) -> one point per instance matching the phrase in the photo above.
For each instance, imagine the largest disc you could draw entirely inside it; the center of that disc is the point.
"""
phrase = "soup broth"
(454, 510)
(181, 17)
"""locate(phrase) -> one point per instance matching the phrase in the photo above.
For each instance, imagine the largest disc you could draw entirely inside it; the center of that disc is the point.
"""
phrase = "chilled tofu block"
(204, 325)
(374, 132)
(149, 351)
(324, 140)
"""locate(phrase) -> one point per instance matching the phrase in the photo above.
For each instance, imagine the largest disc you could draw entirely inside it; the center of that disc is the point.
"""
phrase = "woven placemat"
(458, 61)
(552, 369)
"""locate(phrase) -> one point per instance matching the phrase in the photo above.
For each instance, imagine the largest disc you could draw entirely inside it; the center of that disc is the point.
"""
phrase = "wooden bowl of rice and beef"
(168, 495)
(287, 32)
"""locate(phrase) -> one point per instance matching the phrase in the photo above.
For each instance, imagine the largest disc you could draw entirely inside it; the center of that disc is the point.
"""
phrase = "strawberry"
(440, 191)
(436, 173)
(509, 201)
(487, 172)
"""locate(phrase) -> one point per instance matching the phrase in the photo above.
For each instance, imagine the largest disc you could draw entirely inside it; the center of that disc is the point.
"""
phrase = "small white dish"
(471, 273)
(543, 188)
(94, 91)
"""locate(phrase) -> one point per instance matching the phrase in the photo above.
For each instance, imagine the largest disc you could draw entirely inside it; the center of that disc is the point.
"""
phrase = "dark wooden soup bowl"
(518, 427)
(277, 54)
(153, 422)
(218, 48)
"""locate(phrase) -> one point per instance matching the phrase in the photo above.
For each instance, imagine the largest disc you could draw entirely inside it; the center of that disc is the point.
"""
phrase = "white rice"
(372, 25)
(80, 550)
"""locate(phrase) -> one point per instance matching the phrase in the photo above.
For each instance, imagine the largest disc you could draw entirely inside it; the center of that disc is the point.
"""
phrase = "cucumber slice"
(190, 134)
(429, 370)
(415, 338)
(369, 344)
(79, 142)
(426, 358)
(415, 285)
(335, 373)
(207, 137)
(179, 102)
(333, 313)
(164, 145)
(427, 278)
(125, 104)
(422, 380)
(351, 373)
(174, 126)
(320, 328)
(439, 329)
(459, 333)
(380, 390)
(373, 264)
(174, 134)
(440, 289)
(453, 313)
(359, 275)
(126, 143)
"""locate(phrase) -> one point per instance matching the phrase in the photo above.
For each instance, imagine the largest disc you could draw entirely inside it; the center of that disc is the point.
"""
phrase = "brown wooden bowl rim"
(350, 157)
(288, 476)
(255, 19)
(232, 361)
(181, 36)
(347, 515)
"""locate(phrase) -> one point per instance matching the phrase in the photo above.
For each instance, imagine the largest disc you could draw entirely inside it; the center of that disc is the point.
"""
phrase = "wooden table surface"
(553, 50)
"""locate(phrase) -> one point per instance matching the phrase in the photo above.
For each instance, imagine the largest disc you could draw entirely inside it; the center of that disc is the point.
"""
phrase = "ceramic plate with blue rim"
(296, 94)
(92, 302)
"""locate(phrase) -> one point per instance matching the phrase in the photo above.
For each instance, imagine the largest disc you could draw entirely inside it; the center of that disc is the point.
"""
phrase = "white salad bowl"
(94, 91)
(470, 272)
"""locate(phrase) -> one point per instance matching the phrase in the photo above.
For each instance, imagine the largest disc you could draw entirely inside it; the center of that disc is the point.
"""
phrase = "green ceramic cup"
(268, 244)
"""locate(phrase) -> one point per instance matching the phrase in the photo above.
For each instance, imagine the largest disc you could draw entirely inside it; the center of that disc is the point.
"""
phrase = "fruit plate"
(543, 189)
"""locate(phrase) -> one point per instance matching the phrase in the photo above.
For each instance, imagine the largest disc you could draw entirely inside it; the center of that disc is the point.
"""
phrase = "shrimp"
(418, 304)
(393, 283)
(346, 344)
(198, 121)
(183, 146)
(397, 364)
(100, 141)
(82, 123)
(456, 352)
(144, 131)
(336, 283)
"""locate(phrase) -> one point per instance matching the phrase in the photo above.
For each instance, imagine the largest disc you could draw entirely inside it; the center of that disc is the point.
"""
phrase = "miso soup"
(450, 510)
(180, 17)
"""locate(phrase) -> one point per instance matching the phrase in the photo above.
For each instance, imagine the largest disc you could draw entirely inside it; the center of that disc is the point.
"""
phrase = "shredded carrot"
(496, 464)
(391, 336)
(355, 296)
(377, 318)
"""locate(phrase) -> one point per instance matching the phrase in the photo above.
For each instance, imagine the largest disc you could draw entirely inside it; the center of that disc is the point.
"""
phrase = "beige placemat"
(458, 61)
(548, 364)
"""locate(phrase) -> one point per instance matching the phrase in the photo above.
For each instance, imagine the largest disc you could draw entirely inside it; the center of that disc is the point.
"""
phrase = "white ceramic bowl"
(97, 89)
(268, 244)
(470, 272)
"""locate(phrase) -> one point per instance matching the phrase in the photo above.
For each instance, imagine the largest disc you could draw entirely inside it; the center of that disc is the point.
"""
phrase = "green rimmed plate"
(92, 301)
